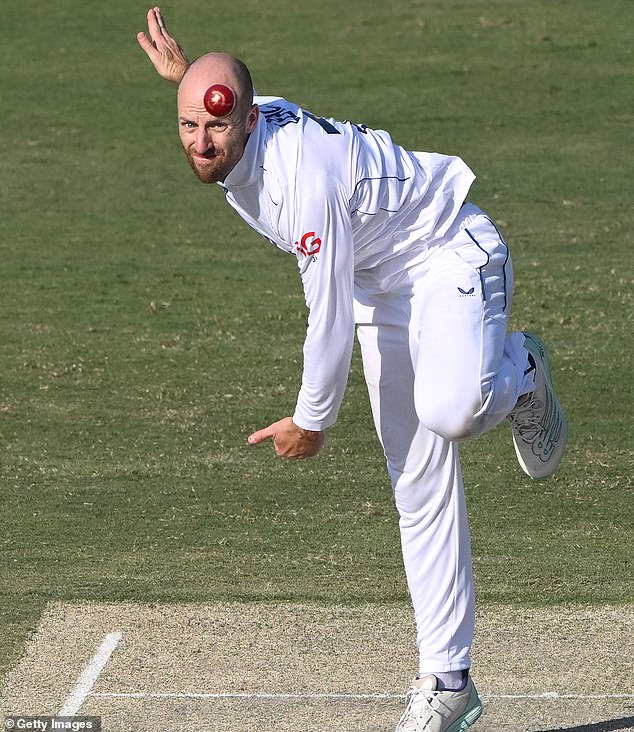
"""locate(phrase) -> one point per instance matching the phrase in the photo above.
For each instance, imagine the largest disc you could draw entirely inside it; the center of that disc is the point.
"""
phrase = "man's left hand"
(289, 440)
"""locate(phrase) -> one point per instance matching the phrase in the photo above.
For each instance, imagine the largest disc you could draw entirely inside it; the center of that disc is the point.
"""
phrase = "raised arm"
(164, 52)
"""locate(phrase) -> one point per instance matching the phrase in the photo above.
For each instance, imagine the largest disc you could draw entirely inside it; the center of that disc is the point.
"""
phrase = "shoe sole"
(469, 717)
(536, 346)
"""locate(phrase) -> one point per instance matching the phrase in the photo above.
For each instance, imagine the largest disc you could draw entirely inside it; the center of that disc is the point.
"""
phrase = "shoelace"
(525, 418)
(420, 701)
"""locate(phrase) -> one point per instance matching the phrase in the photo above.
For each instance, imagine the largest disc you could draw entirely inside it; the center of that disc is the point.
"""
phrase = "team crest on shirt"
(279, 116)
(309, 245)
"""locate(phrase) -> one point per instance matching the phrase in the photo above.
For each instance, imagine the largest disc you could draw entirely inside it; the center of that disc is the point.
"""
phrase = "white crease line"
(361, 697)
(241, 695)
(89, 675)
(556, 695)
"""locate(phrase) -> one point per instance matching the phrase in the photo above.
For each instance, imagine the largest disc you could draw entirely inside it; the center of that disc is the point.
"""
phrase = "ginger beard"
(214, 143)
(212, 166)
(213, 163)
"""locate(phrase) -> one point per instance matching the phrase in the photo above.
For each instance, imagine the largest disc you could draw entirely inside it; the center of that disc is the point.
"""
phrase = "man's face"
(213, 145)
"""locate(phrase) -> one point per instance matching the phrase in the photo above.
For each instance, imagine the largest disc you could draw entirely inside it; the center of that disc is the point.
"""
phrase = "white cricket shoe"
(430, 710)
(540, 431)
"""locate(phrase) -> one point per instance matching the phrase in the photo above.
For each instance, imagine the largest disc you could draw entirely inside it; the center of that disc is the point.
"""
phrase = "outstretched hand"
(164, 52)
(289, 440)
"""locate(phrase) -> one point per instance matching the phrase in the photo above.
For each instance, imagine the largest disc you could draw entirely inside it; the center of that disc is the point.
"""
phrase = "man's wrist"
(313, 435)
(177, 75)
(306, 421)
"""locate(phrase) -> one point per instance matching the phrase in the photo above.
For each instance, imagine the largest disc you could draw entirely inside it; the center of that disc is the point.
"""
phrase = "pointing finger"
(260, 436)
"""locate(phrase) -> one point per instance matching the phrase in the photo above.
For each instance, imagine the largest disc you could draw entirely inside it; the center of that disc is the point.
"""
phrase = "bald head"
(218, 68)
(212, 143)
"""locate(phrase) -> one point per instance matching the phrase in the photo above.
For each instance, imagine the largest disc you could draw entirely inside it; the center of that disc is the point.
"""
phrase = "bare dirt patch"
(283, 667)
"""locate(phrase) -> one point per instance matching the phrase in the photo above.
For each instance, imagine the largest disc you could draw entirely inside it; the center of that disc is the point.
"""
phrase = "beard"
(212, 172)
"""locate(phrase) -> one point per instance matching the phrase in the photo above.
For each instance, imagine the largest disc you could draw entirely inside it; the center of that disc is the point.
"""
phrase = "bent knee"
(451, 420)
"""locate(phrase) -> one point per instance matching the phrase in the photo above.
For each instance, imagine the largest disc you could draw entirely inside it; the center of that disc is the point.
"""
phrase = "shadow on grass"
(611, 724)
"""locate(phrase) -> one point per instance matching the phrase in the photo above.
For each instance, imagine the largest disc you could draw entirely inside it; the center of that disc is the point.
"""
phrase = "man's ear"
(253, 117)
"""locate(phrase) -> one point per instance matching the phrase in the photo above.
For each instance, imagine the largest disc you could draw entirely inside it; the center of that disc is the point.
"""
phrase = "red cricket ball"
(219, 100)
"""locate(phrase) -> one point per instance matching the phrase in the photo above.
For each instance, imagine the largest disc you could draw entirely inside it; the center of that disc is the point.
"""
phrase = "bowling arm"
(164, 52)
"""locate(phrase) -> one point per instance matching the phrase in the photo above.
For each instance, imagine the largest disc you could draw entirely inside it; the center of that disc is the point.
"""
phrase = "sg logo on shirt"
(309, 245)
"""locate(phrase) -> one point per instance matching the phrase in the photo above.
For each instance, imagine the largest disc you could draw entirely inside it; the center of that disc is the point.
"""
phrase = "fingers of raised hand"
(156, 24)
(168, 57)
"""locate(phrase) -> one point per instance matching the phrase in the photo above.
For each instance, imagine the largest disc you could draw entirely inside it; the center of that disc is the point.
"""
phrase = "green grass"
(146, 331)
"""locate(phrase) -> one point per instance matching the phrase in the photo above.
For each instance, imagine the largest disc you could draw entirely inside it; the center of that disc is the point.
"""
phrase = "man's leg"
(429, 495)
(469, 372)
(428, 491)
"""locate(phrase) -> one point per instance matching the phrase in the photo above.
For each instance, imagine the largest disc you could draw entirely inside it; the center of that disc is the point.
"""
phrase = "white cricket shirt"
(353, 207)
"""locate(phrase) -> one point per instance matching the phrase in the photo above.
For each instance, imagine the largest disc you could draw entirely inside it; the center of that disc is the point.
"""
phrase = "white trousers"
(441, 368)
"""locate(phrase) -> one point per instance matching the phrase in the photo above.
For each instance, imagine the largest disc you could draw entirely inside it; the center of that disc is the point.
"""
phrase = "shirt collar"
(247, 169)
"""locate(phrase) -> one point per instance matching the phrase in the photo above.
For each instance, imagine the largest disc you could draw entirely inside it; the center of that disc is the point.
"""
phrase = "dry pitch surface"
(263, 667)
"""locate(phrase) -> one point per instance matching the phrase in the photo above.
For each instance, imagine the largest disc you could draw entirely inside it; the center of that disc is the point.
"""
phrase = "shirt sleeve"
(324, 249)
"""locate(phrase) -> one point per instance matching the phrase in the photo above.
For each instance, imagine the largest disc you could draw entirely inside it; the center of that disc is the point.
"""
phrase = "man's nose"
(204, 140)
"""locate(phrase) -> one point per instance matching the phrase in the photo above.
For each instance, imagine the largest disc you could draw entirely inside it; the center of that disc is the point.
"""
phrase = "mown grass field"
(145, 331)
